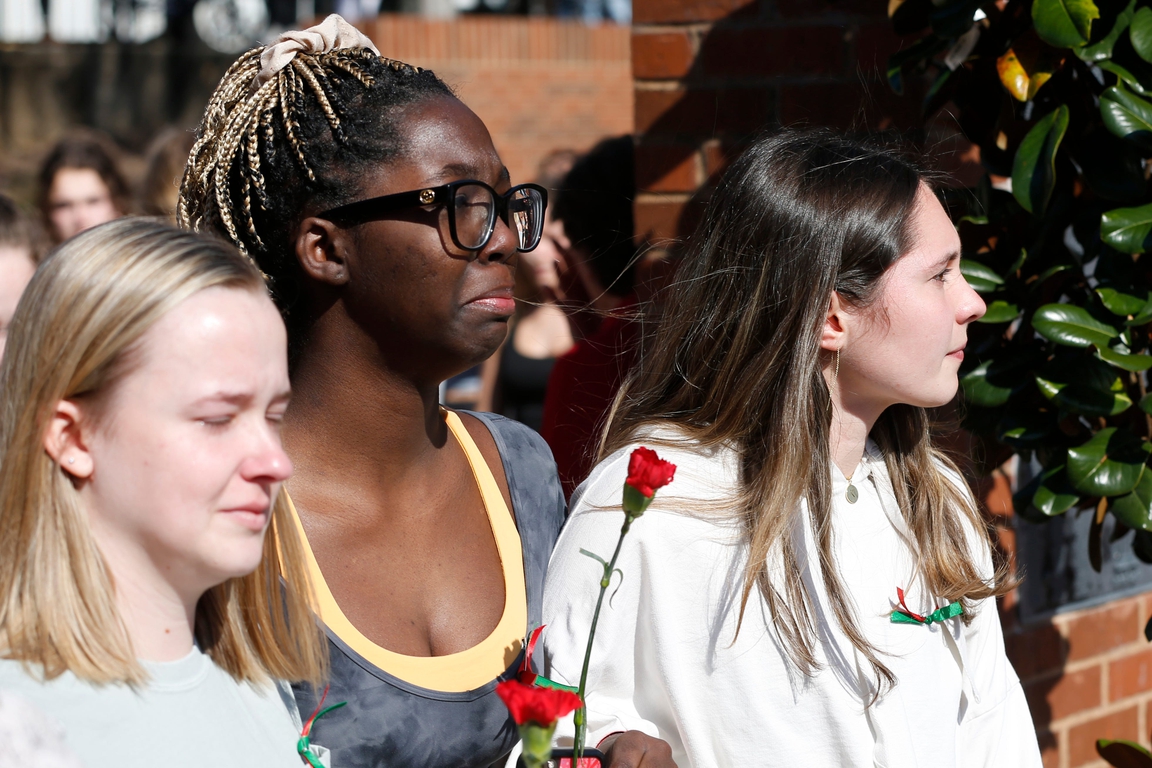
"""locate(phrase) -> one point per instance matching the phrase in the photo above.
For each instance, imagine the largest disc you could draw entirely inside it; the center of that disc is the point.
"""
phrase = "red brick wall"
(708, 74)
(538, 84)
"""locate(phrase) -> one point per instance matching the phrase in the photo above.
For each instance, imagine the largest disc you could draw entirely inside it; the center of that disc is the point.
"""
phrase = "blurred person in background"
(81, 185)
(18, 257)
(594, 206)
(515, 379)
(160, 188)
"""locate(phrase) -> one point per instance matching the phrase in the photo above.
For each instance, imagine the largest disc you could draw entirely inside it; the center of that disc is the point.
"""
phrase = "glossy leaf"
(1109, 464)
(1135, 509)
(1054, 495)
(1143, 317)
(1123, 304)
(982, 279)
(1127, 115)
(1072, 326)
(1124, 754)
(1085, 398)
(1101, 50)
(1125, 361)
(1128, 230)
(980, 391)
(1020, 81)
(1034, 167)
(1064, 23)
(1000, 311)
(1140, 33)
(1130, 79)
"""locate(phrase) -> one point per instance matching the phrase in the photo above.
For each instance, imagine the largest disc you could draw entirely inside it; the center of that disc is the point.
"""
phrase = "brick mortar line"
(1120, 652)
(639, 30)
(1068, 722)
(730, 82)
(756, 23)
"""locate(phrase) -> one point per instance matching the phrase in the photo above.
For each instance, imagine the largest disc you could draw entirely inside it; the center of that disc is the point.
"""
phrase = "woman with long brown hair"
(816, 587)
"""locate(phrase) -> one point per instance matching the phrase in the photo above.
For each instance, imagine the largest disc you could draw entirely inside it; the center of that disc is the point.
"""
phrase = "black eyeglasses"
(474, 207)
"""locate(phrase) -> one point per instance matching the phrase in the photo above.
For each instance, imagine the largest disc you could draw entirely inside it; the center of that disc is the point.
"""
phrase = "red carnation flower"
(647, 472)
(542, 706)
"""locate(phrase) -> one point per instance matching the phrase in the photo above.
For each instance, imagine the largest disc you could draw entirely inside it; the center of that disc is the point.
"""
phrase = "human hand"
(635, 749)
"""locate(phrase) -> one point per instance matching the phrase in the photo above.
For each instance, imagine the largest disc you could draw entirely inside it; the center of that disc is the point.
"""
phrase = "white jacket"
(667, 660)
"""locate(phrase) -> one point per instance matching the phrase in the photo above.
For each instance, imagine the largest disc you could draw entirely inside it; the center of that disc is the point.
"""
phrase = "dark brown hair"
(736, 361)
(83, 150)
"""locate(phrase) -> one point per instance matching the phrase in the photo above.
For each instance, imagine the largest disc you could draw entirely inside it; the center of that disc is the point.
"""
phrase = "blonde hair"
(736, 361)
(72, 336)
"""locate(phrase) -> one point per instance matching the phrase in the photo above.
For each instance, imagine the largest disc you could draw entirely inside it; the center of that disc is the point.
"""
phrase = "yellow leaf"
(1012, 74)
(1037, 80)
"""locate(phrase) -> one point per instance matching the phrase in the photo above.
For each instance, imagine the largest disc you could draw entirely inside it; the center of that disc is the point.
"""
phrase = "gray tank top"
(390, 722)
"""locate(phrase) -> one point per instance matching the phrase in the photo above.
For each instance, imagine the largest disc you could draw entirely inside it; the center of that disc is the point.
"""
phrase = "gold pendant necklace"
(851, 494)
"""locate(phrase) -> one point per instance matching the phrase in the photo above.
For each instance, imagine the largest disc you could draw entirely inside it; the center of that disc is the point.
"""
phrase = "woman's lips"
(253, 519)
(496, 303)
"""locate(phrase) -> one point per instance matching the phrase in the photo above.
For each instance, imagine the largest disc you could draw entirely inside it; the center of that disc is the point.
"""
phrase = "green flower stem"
(537, 741)
(580, 718)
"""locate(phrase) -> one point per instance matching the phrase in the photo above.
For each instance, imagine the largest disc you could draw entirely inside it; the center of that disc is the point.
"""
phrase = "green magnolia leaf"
(979, 391)
(1000, 312)
(1083, 398)
(1049, 273)
(1124, 754)
(1128, 77)
(1103, 49)
(1072, 326)
(1109, 464)
(1127, 115)
(1054, 495)
(1126, 361)
(1135, 509)
(1034, 167)
(1143, 317)
(1123, 304)
(982, 279)
(1064, 23)
(1141, 33)
(1027, 431)
(1128, 229)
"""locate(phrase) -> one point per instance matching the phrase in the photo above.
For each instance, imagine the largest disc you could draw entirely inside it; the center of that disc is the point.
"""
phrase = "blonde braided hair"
(331, 109)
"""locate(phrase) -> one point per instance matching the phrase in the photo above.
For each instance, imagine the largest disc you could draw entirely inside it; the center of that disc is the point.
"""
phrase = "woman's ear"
(65, 441)
(320, 248)
(834, 332)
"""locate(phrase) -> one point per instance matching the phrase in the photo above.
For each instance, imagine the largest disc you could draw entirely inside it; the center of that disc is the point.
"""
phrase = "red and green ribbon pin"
(304, 745)
(528, 677)
(906, 616)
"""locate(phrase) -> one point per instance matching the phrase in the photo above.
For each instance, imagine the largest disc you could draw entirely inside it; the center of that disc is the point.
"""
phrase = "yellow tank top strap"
(472, 668)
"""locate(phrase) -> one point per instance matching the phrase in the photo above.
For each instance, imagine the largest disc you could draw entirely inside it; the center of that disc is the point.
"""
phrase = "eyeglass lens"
(475, 210)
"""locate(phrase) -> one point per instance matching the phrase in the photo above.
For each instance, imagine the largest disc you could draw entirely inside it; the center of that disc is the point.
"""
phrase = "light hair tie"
(329, 35)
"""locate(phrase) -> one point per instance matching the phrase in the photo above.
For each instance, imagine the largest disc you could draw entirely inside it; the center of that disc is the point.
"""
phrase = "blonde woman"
(816, 587)
(141, 602)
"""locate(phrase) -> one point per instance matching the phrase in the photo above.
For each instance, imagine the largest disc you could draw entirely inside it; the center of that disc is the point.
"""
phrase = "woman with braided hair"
(388, 228)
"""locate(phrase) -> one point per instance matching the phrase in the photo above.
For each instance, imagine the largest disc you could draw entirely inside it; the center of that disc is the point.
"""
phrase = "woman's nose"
(267, 463)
